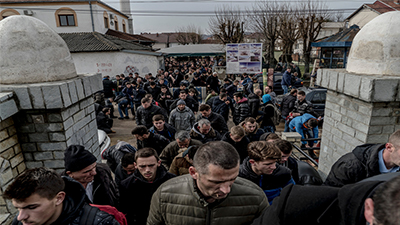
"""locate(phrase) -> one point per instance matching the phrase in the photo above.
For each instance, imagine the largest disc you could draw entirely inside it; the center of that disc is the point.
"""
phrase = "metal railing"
(305, 154)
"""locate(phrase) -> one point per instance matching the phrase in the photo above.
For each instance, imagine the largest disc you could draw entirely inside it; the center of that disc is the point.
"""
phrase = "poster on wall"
(243, 58)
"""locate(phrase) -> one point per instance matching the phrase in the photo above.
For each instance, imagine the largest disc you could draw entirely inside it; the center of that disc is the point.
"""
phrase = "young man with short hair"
(162, 128)
(262, 169)
(237, 138)
(241, 108)
(42, 197)
(307, 126)
(148, 139)
(192, 103)
(125, 168)
(211, 194)
(136, 191)
(252, 129)
(146, 111)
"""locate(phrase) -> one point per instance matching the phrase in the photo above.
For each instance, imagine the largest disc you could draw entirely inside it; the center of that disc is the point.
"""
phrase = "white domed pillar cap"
(31, 52)
(376, 48)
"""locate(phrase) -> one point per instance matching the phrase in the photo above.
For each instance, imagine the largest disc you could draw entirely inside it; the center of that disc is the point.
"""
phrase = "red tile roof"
(382, 6)
(161, 37)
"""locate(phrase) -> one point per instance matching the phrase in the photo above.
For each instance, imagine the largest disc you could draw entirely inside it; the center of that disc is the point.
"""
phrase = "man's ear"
(136, 167)
(389, 147)
(193, 172)
(60, 198)
(159, 163)
(69, 173)
(251, 161)
(369, 210)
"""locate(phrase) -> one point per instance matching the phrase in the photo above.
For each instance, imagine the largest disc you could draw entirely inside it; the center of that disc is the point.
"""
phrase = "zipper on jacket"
(208, 217)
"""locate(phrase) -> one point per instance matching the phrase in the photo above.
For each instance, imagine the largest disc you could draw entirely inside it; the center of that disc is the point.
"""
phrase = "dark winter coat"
(271, 184)
(286, 79)
(217, 122)
(287, 104)
(162, 100)
(114, 154)
(213, 82)
(269, 112)
(172, 150)
(153, 91)
(241, 146)
(168, 132)
(190, 102)
(357, 165)
(322, 205)
(231, 89)
(254, 104)
(104, 122)
(108, 87)
(105, 191)
(182, 119)
(155, 141)
(241, 111)
(136, 194)
(74, 206)
(120, 175)
(212, 135)
(180, 165)
(221, 108)
(255, 135)
(145, 116)
(304, 107)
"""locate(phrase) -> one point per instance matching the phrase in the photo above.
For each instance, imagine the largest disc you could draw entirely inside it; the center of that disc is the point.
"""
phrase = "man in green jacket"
(212, 192)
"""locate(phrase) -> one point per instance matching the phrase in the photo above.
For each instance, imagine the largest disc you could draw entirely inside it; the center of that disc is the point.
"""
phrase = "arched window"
(8, 12)
(106, 20)
(66, 17)
(123, 26)
(116, 22)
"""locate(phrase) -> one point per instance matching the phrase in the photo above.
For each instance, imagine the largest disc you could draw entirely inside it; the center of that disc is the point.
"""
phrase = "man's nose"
(225, 188)
(22, 215)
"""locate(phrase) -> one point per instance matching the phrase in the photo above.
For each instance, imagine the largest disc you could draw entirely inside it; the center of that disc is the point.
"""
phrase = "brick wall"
(11, 163)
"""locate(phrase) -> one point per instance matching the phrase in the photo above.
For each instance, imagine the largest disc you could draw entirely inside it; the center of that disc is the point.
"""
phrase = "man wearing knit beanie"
(95, 177)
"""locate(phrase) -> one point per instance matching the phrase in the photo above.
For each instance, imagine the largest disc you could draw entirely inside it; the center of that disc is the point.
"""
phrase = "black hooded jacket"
(156, 141)
(114, 154)
(136, 193)
(357, 165)
(241, 146)
(74, 205)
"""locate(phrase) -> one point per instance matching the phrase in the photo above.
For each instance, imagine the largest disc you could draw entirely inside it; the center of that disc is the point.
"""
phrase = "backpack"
(90, 211)
(277, 114)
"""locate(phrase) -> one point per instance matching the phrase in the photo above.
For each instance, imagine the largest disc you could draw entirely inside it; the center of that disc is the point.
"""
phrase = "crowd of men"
(188, 167)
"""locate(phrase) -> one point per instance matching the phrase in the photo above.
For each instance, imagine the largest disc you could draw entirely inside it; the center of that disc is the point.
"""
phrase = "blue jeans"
(286, 125)
(285, 89)
(123, 105)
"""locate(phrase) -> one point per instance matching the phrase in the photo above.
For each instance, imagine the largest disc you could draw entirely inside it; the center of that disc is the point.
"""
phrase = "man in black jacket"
(220, 105)
(108, 87)
(43, 197)
(241, 108)
(262, 169)
(96, 178)
(254, 104)
(287, 106)
(366, 161)
(162, 128)
(137, 190)
(237, 138)
(213, 82)
(148, 139)
(145, 113)
(104, 122)
(217, 121)
(203, 132)
(125, 168)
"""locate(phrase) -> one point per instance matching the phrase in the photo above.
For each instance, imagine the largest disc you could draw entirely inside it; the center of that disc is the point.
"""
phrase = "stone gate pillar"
(363, 101)
(45, 105)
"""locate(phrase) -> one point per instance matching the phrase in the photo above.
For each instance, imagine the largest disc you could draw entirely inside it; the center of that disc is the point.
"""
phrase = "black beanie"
(77, 158)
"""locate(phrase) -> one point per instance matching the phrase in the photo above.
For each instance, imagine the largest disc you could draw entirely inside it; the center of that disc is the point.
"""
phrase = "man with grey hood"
(203, 132)
(182, 118)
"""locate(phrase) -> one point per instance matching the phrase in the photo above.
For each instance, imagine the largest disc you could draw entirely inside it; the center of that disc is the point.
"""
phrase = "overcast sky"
(168, 15)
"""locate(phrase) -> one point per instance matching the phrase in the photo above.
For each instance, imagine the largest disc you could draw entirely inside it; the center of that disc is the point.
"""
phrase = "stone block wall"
(359, 109)
(11, 164)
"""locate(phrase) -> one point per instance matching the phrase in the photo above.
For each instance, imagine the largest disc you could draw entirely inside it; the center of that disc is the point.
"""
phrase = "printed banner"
(243, 58)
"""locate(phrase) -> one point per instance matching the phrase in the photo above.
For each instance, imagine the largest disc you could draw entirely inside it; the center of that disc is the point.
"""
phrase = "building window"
(66, 17)
(67, 20)
(116, 22)
(123, 26)
(106, 21)
(8, 12)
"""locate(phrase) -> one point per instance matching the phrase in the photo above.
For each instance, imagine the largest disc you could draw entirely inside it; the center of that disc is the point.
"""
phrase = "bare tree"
(190, 34)
(227, 25)
(264, 19)
(288, 29)
(313, 15)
